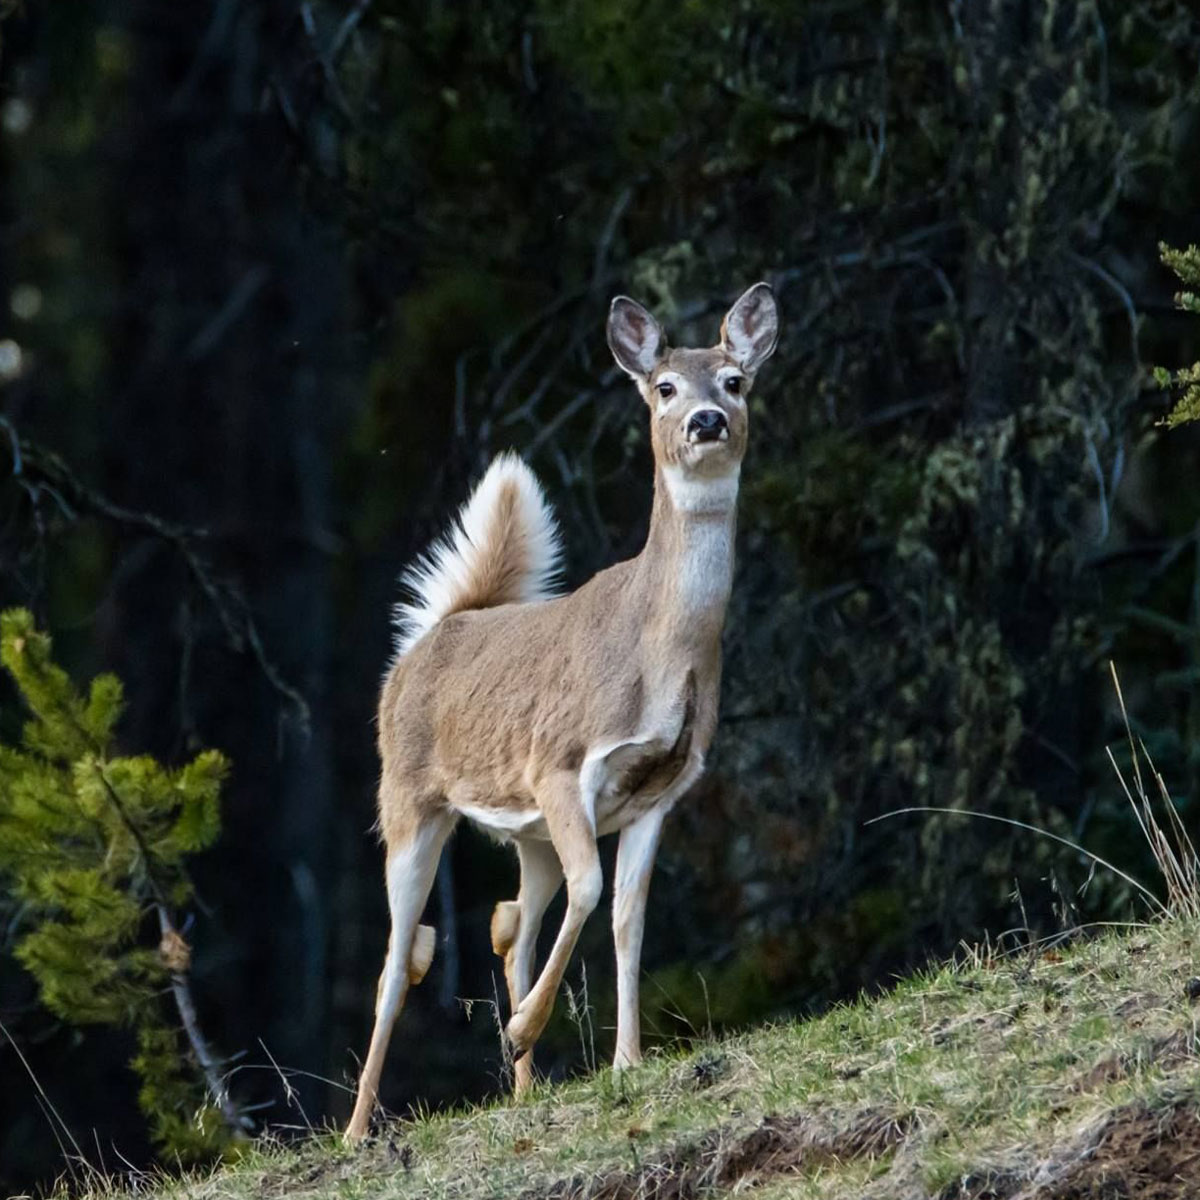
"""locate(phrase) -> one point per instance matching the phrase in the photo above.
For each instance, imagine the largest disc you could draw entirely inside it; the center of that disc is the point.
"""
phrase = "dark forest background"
(278, 278)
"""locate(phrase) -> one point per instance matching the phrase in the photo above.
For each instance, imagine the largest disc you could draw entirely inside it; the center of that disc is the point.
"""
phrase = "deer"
(551, 720)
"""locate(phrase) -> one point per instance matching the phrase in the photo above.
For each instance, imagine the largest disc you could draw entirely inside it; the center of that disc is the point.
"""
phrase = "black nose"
(707, 425)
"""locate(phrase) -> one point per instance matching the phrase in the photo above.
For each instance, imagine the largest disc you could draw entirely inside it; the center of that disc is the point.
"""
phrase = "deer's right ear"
(635, 337)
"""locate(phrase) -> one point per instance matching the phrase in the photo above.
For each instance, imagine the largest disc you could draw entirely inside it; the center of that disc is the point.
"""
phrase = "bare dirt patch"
(1140, 1156)
(724, 1159)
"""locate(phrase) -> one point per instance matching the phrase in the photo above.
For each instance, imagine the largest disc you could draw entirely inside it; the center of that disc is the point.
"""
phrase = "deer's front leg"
(635, 862)
(574, 841)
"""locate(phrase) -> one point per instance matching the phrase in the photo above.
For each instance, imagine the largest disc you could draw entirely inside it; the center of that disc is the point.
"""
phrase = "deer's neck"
(688, 559)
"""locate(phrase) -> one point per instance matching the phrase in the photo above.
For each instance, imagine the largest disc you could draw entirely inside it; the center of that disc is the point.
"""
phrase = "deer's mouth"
(706, 457)
(694, 450)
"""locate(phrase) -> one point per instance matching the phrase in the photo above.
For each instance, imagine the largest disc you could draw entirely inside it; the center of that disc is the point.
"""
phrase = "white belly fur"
(607, 810)
(506, 823)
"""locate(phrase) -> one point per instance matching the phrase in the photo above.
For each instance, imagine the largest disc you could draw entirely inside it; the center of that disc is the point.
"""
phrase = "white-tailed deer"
(552, 720)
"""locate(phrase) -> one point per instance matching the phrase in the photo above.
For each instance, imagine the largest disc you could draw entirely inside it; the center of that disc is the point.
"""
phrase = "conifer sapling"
(93, 846)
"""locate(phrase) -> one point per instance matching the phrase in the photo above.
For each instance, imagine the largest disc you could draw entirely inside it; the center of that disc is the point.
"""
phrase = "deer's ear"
(751, 328)
(635, 337)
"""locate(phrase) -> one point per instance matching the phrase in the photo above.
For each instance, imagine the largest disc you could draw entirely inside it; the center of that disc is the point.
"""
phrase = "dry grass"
(1169, 842)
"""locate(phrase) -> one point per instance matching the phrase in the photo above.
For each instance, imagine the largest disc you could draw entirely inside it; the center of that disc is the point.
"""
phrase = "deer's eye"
(666, 390)
(733, 385)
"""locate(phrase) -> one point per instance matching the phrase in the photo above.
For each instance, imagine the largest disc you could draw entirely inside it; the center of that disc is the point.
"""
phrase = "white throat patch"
(712, 494)
(704, 572)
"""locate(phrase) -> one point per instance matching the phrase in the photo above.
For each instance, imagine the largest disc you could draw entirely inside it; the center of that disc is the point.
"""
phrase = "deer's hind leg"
(515, 926)
(415, 835)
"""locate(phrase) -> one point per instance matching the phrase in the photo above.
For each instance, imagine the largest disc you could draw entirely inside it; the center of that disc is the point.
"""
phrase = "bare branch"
(42, 469)
(238, 301)
(346, 28)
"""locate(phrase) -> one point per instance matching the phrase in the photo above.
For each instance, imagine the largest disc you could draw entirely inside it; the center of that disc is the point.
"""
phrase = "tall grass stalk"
(1169, 842)
(1172, 847)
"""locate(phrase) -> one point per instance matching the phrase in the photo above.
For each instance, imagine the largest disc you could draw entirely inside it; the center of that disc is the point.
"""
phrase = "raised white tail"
(503, 548)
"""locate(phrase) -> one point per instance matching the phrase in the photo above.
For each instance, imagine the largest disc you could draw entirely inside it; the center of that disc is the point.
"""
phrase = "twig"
(42, 1095)
(331, 79)
(182, 993)
(15, 442)
(1089, 264)
(527, 75)
(290, 1071)
(560, 418)
(218, 29)
(528, 410)
(600, 263)
(286, 108)
(499, 396)
(1147, 894)
(290, 1095)
(897, 412)
(346, 28)
(238, 301)
(44, 468)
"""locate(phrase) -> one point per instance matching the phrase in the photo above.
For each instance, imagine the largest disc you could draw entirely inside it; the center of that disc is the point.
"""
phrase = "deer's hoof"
(512, 1051)
(520, 1034)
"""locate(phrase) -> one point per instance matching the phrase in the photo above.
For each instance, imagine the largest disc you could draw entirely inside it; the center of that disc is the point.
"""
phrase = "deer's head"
(697, 398)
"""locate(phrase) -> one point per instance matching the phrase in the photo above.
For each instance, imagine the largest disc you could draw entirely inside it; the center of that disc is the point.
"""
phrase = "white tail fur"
(503, 548)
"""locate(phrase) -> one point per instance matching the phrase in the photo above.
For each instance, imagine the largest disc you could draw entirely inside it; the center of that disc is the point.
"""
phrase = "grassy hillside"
(1059, 1074)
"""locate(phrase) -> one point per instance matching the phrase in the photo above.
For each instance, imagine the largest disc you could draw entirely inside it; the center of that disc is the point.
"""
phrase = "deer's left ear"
(751, 328)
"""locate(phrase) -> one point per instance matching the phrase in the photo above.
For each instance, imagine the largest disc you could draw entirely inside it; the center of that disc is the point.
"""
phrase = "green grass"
(992, 1068)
